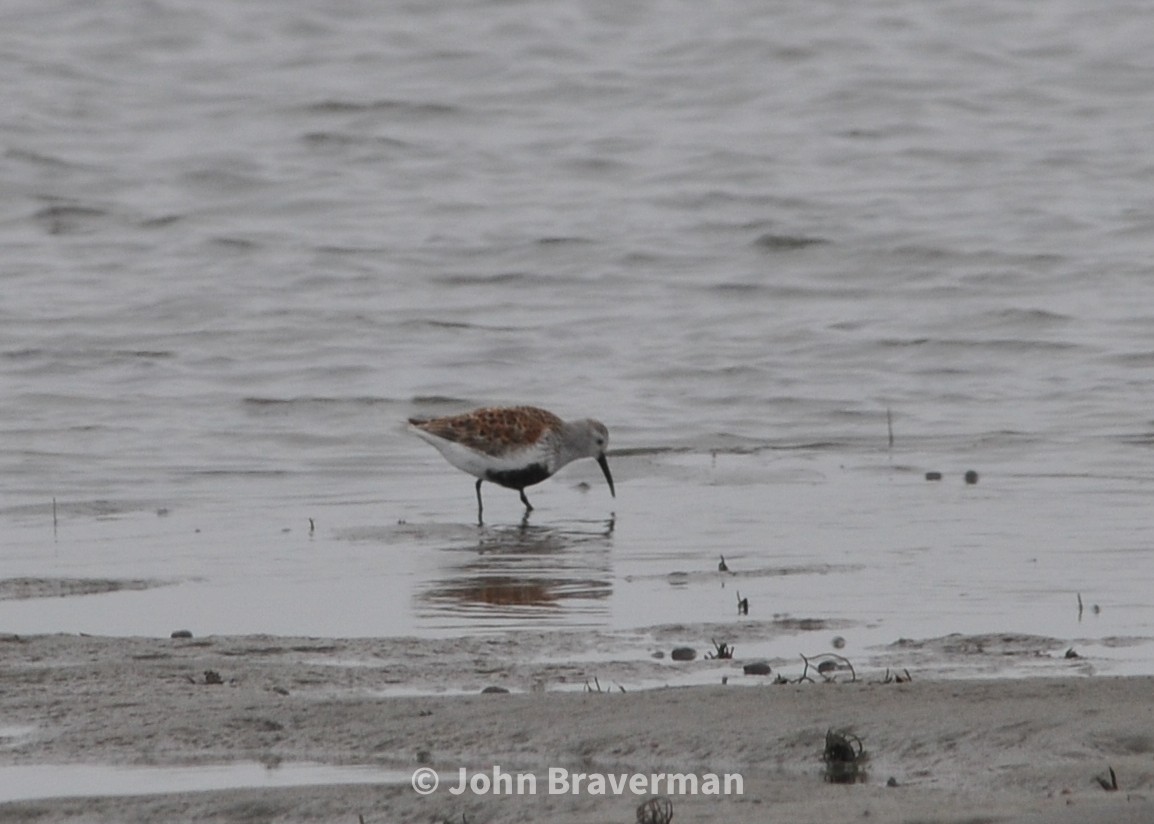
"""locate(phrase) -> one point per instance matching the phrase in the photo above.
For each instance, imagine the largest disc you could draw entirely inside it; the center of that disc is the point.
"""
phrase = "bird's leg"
(480, 507)
(525, 501)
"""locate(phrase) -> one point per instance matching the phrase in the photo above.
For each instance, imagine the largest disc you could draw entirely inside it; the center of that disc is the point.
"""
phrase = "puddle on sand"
(26, 782)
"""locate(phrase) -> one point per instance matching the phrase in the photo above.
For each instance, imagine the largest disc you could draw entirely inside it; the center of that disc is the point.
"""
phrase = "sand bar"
(939, 751)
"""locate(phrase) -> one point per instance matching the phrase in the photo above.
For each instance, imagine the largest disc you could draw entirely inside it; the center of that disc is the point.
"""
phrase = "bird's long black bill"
(604, 464)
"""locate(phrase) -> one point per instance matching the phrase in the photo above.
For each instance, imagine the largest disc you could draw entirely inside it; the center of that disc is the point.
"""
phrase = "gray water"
(34, 781)
(243, 242)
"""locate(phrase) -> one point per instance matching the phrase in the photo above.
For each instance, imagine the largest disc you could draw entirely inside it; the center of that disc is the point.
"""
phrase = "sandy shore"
(939, 751)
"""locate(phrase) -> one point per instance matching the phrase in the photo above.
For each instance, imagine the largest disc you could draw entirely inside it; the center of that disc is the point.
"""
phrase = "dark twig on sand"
(828, 664)
(657, 810)
(742, 605)
(211, 677)
(1108, 784)
(722, 651)
(844, 757)
(902, 677)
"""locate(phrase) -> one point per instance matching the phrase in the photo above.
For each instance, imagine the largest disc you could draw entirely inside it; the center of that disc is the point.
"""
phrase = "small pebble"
(933, 476)
(494, 691)
(683, 654)
(971, 477)
(182, 633)
(756, 668)
(838, 642)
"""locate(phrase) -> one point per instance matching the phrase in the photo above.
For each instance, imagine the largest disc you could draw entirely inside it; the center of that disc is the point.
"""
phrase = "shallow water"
(33, 781)
(244, 244)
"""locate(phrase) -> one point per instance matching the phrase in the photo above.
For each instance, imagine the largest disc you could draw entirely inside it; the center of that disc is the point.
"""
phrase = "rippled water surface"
(794, 255)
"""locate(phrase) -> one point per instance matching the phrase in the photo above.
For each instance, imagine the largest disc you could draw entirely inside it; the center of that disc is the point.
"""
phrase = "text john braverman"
(560, 781)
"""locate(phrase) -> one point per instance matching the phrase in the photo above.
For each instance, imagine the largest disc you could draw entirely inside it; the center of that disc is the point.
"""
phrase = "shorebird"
(514, 447)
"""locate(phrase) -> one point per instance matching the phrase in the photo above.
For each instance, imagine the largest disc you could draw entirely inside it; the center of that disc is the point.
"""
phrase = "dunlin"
(514, 447)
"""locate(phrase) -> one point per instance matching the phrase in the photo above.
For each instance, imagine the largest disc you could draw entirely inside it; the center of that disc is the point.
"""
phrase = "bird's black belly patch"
(519, 478)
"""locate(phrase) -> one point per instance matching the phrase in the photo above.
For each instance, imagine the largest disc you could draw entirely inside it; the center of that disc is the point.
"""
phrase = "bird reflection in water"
(527, 574)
